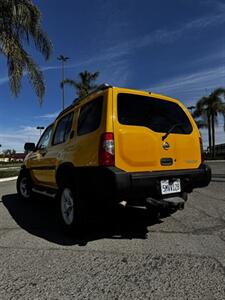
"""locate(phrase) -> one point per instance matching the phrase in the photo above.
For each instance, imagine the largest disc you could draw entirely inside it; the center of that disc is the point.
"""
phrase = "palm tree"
(19, 25)
(85, 85)
(205, 117)
(209, 107)
(217, 107)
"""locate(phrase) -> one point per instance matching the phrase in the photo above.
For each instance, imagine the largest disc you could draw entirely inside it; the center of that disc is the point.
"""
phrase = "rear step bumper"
(147, 184)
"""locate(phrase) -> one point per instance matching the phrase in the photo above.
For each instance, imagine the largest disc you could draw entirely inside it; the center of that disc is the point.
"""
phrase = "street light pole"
(63, 59)
(40, 128)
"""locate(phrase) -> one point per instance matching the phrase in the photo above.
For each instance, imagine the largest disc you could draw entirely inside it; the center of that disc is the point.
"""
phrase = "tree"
(208, 108)
(205, 118)
(85, 85)
(9, 153)
(19, 25)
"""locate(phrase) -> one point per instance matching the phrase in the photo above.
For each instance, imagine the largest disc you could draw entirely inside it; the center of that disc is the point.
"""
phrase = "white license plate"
(168, 187)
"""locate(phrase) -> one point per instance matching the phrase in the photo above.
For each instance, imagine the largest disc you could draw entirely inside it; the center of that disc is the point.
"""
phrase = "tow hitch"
(168, 203)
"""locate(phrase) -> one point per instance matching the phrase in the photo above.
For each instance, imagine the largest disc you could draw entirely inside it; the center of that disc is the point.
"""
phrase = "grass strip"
(9, 165)
(8, 173)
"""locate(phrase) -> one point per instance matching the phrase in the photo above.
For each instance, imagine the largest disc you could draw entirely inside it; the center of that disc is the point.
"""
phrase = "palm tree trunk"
(209, 134)
(213, 135)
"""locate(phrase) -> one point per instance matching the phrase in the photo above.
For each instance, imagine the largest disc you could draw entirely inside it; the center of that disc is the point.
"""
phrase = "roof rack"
(77, 101)
(65, 110)
(101, 87)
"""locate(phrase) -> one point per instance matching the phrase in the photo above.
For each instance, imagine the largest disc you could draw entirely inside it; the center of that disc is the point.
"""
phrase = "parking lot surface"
(124, 255)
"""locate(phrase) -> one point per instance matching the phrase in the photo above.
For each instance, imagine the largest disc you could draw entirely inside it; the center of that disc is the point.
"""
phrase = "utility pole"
(63, 59)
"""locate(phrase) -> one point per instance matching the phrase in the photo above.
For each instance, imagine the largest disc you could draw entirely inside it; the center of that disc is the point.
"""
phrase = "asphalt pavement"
(124, 255)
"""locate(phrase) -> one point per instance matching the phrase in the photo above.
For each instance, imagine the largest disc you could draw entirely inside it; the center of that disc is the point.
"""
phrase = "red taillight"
(106, 150)
(202, 152)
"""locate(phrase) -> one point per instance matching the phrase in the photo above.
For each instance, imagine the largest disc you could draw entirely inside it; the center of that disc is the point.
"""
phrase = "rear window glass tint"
(157, 114)
(90, 116)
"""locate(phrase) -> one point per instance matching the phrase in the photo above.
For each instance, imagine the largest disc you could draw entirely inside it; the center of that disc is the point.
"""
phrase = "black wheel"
(70, 208)
(24, 186)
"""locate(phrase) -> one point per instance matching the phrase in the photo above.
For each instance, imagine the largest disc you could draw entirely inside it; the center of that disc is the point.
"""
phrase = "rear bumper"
(119, 184)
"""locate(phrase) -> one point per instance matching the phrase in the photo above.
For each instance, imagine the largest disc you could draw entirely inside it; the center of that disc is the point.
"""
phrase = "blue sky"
(174, 47)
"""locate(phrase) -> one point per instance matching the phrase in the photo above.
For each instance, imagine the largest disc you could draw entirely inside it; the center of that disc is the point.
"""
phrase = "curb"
(8, 179)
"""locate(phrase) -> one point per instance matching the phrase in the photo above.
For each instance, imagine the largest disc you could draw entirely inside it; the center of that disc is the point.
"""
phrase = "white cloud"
(29, 130)
(48, 116)
(160, 36)
(212, 58)
(192, 86)
(15, 139)
(163, 36)
(3, 80)
(219, 136)
(220, 5)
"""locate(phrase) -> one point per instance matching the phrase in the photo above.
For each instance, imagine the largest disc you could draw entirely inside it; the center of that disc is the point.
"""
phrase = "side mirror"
(28, 147)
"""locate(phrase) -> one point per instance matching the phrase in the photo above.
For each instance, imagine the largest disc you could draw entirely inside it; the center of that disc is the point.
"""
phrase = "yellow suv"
(117, 145)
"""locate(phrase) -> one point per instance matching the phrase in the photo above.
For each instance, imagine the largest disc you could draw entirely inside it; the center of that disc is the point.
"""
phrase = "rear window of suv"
(90, 116)
(156, 114)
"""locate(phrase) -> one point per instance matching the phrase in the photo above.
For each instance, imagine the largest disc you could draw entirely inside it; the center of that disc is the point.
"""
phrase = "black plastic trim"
(116, 184)
(110, 183)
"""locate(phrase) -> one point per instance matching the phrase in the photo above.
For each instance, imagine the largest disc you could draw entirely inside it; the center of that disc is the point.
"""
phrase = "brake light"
(201, 149)
(106, 150)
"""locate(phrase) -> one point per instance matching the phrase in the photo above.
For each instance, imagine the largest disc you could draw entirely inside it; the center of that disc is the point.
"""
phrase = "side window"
(90, 116)
(63, 129)
(44, 140)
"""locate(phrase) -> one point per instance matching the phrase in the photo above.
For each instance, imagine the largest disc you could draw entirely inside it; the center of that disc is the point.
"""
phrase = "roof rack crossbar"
(76, 101)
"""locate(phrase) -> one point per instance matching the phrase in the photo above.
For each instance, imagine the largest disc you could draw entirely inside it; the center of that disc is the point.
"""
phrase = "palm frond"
(35, 77)
(68, 81)
(85, 84)
(19, 24)
(19, 62)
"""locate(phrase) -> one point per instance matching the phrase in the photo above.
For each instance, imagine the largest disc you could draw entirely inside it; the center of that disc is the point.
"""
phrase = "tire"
(70, 209)
(24, 186)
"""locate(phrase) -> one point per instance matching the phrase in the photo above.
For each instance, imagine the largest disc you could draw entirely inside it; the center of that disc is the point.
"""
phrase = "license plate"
(168, 187)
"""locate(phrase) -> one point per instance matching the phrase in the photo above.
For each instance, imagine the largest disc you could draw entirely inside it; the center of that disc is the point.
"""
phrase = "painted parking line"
(8, 179)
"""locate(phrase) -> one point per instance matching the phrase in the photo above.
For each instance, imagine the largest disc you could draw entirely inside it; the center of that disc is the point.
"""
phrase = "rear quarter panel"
(86, 147)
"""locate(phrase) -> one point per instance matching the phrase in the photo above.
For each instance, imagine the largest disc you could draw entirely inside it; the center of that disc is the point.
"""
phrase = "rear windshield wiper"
(171, 129)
